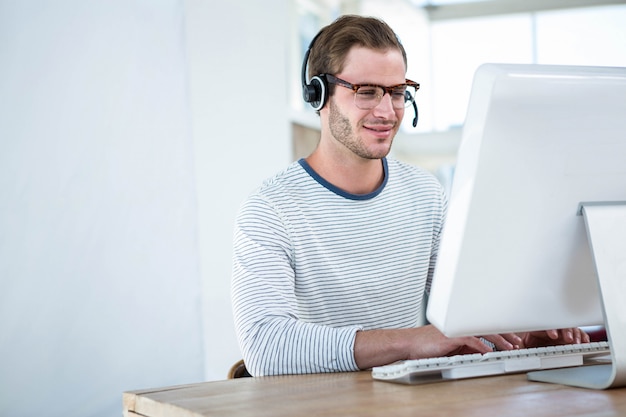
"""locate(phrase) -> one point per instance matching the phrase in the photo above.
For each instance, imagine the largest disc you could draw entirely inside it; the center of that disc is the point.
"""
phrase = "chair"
(238, 370)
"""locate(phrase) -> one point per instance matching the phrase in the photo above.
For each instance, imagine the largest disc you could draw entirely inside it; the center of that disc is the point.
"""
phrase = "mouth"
(382, 131)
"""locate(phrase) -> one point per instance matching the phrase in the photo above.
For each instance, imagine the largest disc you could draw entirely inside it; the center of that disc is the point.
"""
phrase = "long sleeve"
(272, 336)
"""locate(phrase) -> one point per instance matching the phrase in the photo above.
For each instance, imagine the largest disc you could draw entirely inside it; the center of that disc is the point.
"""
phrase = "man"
(333, 256)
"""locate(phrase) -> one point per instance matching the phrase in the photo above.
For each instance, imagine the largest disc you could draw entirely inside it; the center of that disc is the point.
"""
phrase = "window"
(585, 36)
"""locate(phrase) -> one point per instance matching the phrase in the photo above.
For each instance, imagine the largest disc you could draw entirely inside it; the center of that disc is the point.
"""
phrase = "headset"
(315, 92)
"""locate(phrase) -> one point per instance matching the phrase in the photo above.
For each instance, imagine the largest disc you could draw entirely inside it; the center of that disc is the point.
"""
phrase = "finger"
(514, 339)
(565, 336)
(506, 341)
(580, 336)
(499, 342)
(553, 334)
(584, 337)
(476, 344)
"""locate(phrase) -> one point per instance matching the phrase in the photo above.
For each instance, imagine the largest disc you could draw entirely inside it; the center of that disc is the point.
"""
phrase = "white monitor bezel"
(537, 141)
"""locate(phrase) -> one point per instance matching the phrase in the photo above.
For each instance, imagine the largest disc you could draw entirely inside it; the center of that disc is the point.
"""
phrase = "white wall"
(238, 59)
(100, 287)
(130, 132)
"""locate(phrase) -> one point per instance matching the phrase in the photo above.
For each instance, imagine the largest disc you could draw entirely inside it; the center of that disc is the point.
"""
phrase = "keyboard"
(418, 371)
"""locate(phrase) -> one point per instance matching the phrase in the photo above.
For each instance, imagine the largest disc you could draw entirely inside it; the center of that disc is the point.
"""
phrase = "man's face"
(366, 133)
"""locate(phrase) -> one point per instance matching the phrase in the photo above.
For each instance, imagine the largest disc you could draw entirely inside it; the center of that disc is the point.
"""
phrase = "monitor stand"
(606, 229)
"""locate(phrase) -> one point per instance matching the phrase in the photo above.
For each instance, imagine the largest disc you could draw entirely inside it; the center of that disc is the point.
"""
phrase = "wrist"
(380, 347)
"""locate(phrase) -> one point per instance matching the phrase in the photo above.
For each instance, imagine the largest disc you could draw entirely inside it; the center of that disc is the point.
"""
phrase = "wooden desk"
(357, 394)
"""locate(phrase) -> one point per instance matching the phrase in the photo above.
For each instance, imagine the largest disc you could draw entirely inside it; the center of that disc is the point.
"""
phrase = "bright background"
(131, 131)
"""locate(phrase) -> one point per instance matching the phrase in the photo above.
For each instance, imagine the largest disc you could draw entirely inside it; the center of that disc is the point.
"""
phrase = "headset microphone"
(408, 96)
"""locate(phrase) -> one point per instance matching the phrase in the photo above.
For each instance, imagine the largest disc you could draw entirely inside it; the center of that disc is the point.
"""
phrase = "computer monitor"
(515, 256)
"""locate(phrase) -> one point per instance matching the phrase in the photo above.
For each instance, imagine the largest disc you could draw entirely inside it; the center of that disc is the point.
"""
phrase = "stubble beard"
(341, 130)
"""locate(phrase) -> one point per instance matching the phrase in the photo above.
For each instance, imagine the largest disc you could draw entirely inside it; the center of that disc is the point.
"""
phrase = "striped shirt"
(313, 265)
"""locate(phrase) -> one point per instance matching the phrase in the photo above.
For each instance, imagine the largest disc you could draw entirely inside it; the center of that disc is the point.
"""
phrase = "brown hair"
(331, 45)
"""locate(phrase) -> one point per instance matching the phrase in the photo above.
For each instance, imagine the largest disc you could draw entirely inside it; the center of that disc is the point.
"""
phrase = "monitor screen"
(537, 141)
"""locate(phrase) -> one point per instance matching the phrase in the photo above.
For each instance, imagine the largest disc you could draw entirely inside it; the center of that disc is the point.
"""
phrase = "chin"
(380, 153)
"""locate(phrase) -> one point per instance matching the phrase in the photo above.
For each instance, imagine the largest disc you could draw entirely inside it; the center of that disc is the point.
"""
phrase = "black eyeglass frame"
(408, 98)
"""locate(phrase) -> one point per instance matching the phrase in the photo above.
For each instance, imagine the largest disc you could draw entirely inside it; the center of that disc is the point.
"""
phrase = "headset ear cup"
(308, 93)
(318, 98)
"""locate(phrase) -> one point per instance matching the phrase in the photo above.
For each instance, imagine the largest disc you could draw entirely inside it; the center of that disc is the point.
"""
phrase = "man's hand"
(554, 337)
(381, 347)
(538, 339)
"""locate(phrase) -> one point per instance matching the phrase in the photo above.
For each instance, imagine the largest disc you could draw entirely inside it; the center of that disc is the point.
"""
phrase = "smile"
(383, 129)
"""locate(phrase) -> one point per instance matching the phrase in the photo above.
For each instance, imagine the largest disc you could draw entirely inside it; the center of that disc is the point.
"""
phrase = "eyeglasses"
(368, 96)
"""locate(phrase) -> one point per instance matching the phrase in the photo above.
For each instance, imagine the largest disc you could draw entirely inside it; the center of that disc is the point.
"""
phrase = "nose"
(385, 106)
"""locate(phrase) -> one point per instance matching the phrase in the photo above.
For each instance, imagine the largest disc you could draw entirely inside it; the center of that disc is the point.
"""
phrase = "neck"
(355, 176)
